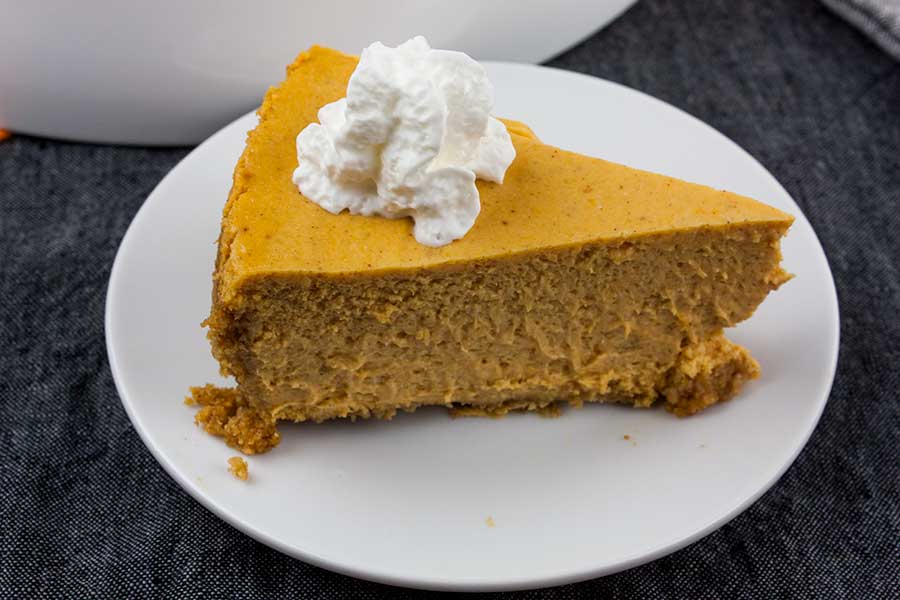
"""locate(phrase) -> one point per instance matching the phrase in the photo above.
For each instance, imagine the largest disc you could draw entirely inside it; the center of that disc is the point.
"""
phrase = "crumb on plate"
(237, 466)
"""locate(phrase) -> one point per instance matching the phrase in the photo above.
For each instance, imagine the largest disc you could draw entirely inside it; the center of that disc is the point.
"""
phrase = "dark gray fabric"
(878, 19)
(86, 511)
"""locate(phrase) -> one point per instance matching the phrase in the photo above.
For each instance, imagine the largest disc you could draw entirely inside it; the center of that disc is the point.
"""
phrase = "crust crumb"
(709, 372)
(237, 466)
(224, 415)
(478, 411)
(489, 521)
(551, 411)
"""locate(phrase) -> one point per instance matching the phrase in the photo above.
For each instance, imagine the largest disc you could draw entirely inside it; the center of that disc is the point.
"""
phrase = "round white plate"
(173, 72)
(428, 501)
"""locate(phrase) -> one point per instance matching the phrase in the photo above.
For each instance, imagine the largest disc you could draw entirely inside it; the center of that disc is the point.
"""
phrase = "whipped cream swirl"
(409, 140)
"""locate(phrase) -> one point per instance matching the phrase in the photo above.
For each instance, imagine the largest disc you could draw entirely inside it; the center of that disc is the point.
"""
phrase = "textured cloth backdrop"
(87, 512)
(878, 19)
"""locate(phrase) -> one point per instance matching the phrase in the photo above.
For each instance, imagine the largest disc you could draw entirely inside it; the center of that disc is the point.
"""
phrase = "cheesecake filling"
(409, 140)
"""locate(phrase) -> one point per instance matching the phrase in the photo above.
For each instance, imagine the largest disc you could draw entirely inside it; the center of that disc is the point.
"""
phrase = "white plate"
(407, 501)
(173, 72)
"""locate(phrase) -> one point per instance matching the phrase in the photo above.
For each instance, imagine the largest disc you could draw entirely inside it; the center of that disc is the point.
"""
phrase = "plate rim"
(521, 583)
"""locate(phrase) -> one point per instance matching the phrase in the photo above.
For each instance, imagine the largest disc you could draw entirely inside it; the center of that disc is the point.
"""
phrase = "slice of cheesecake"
(581, 281)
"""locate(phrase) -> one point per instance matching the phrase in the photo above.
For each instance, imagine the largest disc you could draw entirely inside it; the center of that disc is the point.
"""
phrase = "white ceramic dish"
(174, 71)
(408, 501)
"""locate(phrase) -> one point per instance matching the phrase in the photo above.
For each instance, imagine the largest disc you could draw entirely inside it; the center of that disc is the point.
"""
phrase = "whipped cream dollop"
(409, 140)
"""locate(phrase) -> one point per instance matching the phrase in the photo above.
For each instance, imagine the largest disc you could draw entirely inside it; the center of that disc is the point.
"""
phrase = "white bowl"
(173, 72)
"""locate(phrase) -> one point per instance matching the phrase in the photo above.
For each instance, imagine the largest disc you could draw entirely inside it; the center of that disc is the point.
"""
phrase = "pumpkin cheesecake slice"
(581, 280)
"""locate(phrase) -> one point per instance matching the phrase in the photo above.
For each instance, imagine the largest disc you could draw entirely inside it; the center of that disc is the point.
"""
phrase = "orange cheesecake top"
(550, 198)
